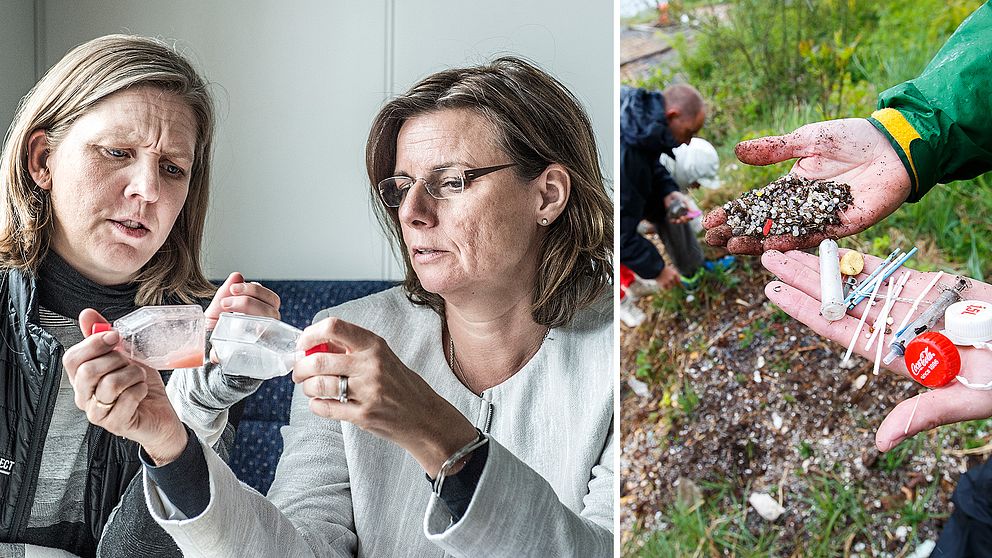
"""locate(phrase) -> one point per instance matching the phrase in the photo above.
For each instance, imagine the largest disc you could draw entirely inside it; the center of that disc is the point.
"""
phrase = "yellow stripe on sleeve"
(902, 131)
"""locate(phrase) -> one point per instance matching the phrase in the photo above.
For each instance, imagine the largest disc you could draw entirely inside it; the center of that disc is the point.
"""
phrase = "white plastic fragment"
(766, 506)
(640, 388)
(924, 550)
(860, 381)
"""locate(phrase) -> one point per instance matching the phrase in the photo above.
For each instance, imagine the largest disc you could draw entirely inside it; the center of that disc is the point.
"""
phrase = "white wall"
(17, 56)
(299, 83)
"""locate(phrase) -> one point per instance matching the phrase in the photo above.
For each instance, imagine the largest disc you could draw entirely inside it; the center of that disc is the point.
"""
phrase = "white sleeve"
(515, 512)
(308, 512)
(202, 396)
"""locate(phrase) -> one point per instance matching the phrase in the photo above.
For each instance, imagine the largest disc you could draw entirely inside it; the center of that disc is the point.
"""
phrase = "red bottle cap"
(321, 348)
(932, 359)
(100, 327)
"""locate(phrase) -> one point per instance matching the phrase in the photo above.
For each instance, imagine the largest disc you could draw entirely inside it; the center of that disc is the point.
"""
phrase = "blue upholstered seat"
(259, 443)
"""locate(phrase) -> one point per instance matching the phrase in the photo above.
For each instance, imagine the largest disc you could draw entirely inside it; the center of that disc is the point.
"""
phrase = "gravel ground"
(775, 412)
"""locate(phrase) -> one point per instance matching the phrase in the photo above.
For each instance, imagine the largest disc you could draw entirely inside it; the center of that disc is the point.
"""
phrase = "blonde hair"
(537, 121)
(82, 78)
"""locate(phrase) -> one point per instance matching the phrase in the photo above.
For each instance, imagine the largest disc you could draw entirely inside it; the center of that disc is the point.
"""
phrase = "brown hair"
(537, 122)
(87, 74)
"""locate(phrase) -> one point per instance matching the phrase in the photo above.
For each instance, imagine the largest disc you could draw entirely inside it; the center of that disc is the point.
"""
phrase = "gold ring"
(101, 404)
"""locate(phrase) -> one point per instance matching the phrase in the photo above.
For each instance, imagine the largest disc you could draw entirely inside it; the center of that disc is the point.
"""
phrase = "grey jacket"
(546, 489)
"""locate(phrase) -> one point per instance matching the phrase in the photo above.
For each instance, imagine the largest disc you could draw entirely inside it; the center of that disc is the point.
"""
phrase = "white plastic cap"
(968, 322)
(696, 161)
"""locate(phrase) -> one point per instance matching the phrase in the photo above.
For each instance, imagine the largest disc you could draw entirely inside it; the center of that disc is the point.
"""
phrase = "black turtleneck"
(65, 291)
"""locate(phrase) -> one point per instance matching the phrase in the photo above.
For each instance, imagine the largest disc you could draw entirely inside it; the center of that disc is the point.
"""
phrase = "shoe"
(630, 314)
(692, 283)
(641, 288)
(725, 263)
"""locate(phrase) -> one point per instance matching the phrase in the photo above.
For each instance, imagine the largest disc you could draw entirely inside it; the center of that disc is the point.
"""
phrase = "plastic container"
(256, 347)
(162, 337)
(831, 288)
(968, 322)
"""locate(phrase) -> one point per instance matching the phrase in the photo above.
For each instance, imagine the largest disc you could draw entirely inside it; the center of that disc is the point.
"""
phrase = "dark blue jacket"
(644, 181)
(968, 532)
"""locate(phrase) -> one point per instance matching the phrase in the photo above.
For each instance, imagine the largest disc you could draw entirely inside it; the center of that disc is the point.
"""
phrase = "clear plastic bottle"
(162, 337)
(256, 347)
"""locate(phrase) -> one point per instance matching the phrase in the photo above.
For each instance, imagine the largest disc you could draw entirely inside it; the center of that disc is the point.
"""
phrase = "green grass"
(653, 363)
(703, 530)
(897, 457)
(837, 514)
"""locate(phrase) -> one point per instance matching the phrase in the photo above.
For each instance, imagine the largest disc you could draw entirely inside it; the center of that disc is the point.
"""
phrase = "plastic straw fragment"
(916, 303)
(913, 414)
(866, 285)
(861, 323)
(884, 315)
(878, 351)
(884, 275)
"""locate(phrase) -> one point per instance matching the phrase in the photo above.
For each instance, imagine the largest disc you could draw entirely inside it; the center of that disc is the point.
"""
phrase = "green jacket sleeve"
(940, 123)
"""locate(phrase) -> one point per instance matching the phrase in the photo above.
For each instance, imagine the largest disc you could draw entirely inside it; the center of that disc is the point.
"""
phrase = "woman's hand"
(123, 397)
(385, 397)
(798, 294)
(849, 151)
(235, 295)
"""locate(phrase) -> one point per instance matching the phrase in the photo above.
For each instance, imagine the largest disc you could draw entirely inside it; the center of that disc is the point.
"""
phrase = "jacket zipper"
(41, 428)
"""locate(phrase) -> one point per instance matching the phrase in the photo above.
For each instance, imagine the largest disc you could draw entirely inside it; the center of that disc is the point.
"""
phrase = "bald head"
(684, 110)
(683, 97)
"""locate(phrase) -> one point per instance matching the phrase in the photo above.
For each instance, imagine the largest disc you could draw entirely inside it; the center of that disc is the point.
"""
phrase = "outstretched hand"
(797, 292)
(122, 396)
(384, 397)
(849, 151)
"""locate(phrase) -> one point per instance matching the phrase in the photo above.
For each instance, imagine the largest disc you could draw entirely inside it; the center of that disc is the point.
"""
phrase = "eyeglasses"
(441, 184)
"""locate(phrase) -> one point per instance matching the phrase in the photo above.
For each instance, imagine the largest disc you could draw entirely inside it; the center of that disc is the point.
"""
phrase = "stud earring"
(544, 222)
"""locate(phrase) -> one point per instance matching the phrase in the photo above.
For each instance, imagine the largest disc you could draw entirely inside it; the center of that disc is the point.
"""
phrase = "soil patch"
(770, 409)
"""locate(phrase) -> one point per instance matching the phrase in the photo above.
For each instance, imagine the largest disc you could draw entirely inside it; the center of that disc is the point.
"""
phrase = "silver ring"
(343, 389)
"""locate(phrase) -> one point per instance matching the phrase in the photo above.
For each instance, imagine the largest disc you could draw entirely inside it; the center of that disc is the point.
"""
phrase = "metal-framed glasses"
(441, 183)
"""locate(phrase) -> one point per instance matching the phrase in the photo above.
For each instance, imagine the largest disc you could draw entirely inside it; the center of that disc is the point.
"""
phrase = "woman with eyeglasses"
(468, 412)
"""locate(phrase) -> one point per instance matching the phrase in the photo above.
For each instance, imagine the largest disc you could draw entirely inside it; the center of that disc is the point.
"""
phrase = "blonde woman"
(104, 181)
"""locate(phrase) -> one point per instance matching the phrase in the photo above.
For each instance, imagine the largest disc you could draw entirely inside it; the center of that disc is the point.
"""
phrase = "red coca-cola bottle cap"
(932, 359)
(100, 327)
